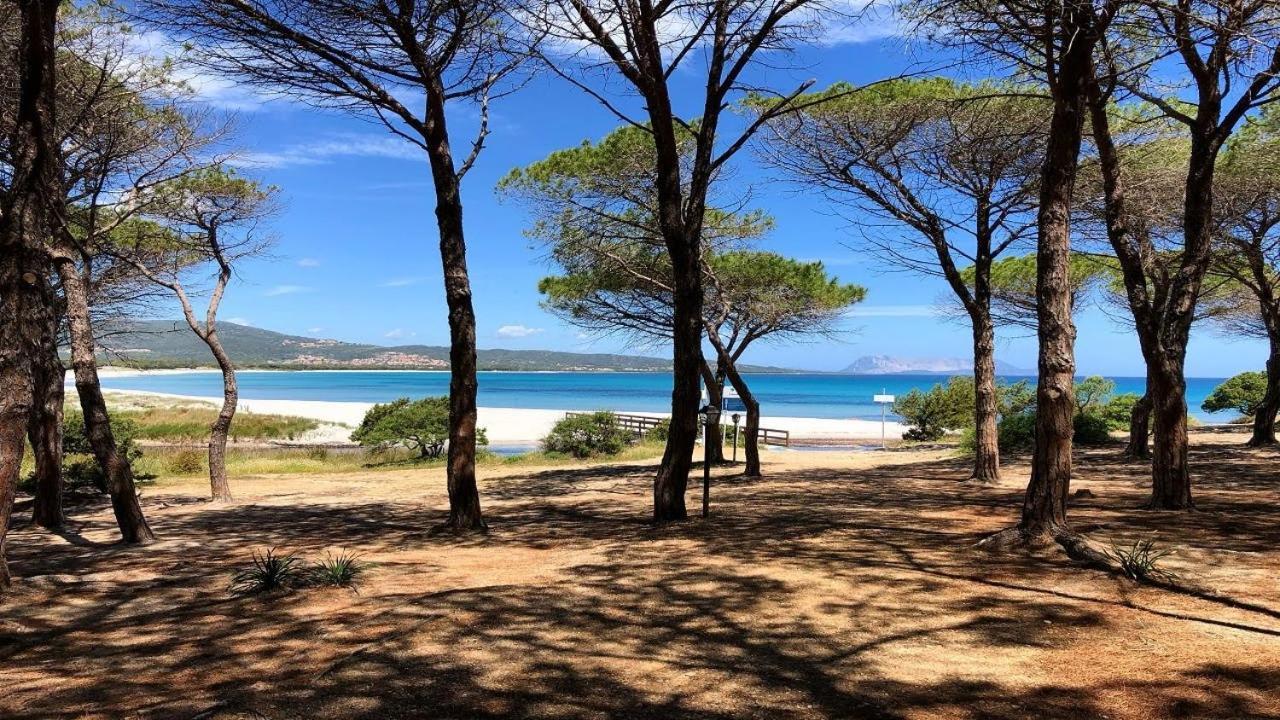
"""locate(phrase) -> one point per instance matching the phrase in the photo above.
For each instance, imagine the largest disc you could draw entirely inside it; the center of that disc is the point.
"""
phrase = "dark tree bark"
(1264, 420)
(714, 383)
(751, 432)
(1171, 478)
(464, 495)
(1044, 508)
(1139, 447)
(97, 421)
(986, 461)
(31, 208)
(45, 426)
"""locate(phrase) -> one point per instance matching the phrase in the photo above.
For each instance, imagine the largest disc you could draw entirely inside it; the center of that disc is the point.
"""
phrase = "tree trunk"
(97, 422)
(1139, 447)
(30, 209)
(219, 486)
(464, 495)
(1264, 420)
(986, 461)
(1170, 476)
(45, 428)
(672, 480)
(714, 383)
(751, 433)
(1044, 508)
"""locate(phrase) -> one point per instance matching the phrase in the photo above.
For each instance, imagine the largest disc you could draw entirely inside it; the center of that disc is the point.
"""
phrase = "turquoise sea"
(794, 395)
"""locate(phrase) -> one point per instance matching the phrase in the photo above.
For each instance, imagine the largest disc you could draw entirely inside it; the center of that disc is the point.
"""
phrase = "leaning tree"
(406, 65)
(203, 223)
(649, 47)
(955, 166)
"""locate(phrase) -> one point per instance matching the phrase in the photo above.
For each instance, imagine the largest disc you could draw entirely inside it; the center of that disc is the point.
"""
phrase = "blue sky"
(356, 255)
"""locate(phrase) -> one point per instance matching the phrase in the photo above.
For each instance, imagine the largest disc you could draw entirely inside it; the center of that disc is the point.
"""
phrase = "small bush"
(1242, 393)
(1091, 429)
(660, 432)
(341, 570)
(420, 425)
(1017, 432)
(584, 436)
(930, 414)
(319, 454)
(186, 462)
(1141, 561)
(269, 572)
(1118, 411)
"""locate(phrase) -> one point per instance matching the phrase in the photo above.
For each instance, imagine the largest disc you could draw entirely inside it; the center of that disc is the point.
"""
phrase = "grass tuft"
(269, 572)
(1141, 561)
(341, 570)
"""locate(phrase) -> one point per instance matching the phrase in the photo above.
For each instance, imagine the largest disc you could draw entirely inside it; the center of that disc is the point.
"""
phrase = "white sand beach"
(517, 426)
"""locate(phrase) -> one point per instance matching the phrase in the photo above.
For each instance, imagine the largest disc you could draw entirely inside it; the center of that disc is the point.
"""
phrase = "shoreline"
(520, 426)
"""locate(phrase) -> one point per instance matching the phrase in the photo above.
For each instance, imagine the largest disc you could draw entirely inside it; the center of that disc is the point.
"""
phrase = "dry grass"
(840, 586)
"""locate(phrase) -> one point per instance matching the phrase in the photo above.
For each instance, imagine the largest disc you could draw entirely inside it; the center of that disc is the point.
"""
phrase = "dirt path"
(839, 586)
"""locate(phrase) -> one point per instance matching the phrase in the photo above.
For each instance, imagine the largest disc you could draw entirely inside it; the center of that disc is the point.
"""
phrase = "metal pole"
(735, 441)
(706, 471)
(883, 410)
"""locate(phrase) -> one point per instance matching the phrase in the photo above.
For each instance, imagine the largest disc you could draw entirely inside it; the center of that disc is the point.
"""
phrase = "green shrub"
(1091, 429)
(1242, 393)
(1118, 411)
(268, 572)
(1092, 393)
(1016, 398)
(660, 432)
(588, 435)
(930, 414)
(419, 425)
(1018, 432)
(186, 462)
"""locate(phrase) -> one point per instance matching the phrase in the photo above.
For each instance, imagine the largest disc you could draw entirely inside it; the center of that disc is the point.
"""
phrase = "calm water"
(800, 395)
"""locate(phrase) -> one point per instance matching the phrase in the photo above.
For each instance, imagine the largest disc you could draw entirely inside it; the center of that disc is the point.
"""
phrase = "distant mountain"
(887, 365)
(166, 343)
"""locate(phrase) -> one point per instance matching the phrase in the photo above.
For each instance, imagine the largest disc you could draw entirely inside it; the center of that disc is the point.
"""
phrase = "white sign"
(883, 398)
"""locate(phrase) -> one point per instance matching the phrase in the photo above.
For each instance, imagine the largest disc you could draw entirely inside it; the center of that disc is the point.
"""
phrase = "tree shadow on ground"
(810, 593)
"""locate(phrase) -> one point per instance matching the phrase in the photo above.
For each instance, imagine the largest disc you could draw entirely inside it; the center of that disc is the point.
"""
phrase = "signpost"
(884, 401)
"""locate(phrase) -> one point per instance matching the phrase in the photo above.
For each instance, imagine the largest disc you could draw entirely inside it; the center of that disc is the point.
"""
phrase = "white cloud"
(324, 151)
(400, 282)
(894, 311)
(397, 333)
(286, 290)
(239, 321)
(315, 330)
(308, 262)
(517, 331)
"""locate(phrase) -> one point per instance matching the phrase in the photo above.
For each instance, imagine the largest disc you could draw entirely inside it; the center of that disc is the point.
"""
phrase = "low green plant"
(269, 572)
(660, 432)
(588, 435)
(1118, 411)
(1018, 432)
(931, 413)
(1242, 393)
(1141, 561)
(186, 462)
(1091, 429)
(341, 570)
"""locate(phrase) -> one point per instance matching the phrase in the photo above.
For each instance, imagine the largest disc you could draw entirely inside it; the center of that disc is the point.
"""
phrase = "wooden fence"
(641, 425)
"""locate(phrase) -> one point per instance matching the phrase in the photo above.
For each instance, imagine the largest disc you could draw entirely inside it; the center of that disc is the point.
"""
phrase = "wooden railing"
(641, 425)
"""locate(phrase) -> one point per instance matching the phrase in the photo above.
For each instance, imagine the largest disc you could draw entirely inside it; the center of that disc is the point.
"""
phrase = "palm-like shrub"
(270, 571)
(341, 570)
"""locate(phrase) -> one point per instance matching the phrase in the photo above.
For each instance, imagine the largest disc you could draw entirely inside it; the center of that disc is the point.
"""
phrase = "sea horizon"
(801, 394)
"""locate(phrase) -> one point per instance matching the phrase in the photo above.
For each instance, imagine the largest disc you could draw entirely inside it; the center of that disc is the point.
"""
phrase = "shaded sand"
(521, 426)
(839, 586)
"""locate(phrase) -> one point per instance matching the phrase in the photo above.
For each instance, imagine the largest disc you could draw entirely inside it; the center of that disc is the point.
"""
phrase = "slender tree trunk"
(671, 482)
(45, 428)
(20, 328)
(986, 411)
(219, 486)
(751, 433)
(1171, 478)
(464, 495)
(1139, 447)
(97, 422)
(1264, 420)
(714, 383)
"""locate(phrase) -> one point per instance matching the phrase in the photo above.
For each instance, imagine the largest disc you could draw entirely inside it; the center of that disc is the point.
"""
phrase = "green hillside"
(165, 343)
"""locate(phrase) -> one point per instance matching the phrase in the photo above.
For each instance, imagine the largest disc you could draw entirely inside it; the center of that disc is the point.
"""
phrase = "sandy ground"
(839, 586)
(518, 426)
